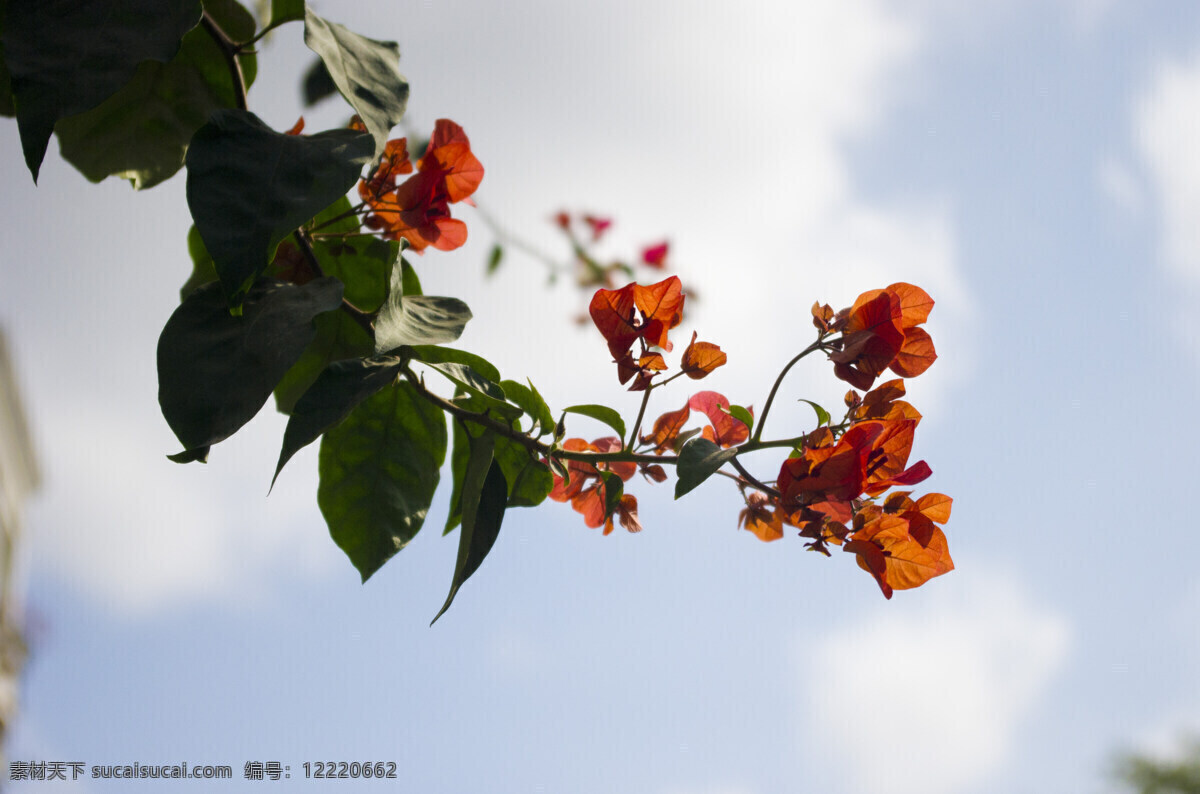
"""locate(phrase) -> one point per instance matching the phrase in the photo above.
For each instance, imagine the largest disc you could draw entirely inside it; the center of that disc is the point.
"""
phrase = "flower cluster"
(587, 487)
(418, 209)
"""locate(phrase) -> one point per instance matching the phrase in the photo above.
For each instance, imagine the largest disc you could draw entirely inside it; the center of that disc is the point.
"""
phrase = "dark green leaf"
(529, 480)
(6, 98)
(433, 354)
(338, 337)
(529, 401)
(318, 84)
(249, 186)
(366, 71)
(364, 264)
(697, 462)
(684, 437)
(823, 417)
(494, 258)
(483, 512)
(65, 57)
(460, 451)
(601, 413)
(614, 489)
(379, 469)
(286, 11)
(215, 370)
(203, 270)
(336, 392)
(141, 132)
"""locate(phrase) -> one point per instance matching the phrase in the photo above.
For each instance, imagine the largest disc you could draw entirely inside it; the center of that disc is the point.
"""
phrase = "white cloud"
(141, 535)
(1166, 121)
(948, 680)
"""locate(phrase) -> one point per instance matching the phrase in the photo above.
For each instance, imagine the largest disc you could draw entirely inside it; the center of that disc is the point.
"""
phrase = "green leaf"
(286, 11)
(249, 187)
(432, 354)
(7, 108)
(337, 218)
(614, 489)
(141, 132)
(529, 401)
(601, 413)
(203, 270)
(483, 513)
(338, 337)
(420, 320)
(410, 282)
(215, 371)
(823, 417)
(494, 258)
(365, 71)
(318, 84)
(364, 264)
(739, 413)
(336, 392)
(697, 462)
(483, 389)
(529, 480)
(379, 469)
(66, 57)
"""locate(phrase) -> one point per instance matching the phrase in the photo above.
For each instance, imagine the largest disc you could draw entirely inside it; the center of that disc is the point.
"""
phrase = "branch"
(229, 50)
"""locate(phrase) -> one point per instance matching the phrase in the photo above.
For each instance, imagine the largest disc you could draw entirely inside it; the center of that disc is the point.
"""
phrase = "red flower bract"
(586, 490)
(418, 210)
(635, 312)
(880, 332)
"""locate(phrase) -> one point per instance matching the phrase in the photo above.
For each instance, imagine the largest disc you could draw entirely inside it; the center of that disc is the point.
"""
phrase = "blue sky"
(1032, 165)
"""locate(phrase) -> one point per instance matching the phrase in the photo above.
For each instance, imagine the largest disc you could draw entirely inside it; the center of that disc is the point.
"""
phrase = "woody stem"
(762, 419)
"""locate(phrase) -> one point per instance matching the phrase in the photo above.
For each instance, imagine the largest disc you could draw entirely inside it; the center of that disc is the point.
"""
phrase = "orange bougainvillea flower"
(903, 549)
(880, 332)
(635, 312)
(701, 358)
(725, 431)
(656, 255)
(666, 430)
(827, 472)
(418, 210)
(586, 489)
(761, 518)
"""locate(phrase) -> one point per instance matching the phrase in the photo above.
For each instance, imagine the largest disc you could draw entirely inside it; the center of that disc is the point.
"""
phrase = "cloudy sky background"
(1032, 165)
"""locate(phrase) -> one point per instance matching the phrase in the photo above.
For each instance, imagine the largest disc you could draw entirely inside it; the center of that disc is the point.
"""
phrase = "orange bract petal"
(613, 313)
(901, 560)
(917, 354)
(725, 431)
(761, 518)
(661, 305)
(701, 358)
(666, 429)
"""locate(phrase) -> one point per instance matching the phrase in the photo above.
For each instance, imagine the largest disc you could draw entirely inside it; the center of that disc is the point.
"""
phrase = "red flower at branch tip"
(725, 431)
(880, 332)
(701, 358)
(598, 225)
(635, 312)
(586, 490)
(418, 210)
(656, 255)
